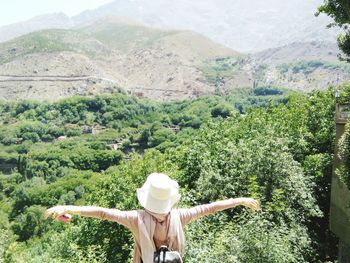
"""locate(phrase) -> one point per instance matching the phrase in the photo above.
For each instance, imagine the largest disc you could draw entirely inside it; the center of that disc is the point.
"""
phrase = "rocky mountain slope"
(56, 20)
(298, 66)
(118, 53)
(105, 56)
(243, 25)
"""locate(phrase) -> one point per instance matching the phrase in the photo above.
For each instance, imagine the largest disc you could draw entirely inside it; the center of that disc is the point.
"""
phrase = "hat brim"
(154, 205)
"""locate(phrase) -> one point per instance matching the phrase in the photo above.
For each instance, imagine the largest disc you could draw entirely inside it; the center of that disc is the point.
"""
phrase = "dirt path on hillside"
(16, 78)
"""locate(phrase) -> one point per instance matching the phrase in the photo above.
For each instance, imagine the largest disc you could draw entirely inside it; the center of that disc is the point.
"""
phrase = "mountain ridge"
(116, 53)
(157, 66)
(46, 21)
(235, 25)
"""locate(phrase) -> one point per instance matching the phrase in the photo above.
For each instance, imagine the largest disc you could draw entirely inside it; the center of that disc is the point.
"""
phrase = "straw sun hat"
(159, 193)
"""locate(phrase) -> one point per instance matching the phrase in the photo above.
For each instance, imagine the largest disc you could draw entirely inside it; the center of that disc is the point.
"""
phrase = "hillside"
(119, 53)
(234, 24)
(104, 56)
(56, 20)
(298, 66)
(298, 51)
(301, 66)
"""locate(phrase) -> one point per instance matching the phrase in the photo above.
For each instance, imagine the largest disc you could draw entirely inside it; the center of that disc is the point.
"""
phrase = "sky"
(12, 11)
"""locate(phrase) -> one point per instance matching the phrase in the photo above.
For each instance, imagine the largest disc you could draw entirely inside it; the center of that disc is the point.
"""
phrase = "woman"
(158, 225)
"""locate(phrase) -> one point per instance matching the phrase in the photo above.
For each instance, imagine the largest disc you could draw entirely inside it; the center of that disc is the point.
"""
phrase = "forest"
(267, 143)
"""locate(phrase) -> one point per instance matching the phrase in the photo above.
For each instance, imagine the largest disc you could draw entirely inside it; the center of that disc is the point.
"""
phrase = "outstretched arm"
(247, 202)
(126, 218)
(190, 214)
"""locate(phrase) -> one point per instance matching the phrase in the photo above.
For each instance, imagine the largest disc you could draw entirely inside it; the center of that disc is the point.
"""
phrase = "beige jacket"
(134, 219)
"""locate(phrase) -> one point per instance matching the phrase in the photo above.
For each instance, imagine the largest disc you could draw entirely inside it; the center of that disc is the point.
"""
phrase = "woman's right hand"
(251, 203)
(59, 212)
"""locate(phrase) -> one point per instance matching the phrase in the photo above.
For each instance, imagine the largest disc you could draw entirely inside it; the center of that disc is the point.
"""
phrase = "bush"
(221, 110)
(29, 223)
(74, 132)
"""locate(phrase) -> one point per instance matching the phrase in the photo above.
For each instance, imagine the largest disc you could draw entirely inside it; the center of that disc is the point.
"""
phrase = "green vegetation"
(308, 67)
(218, 69)
(344, 150)
(120, 36)
(48, 41)
(89, 40)
(260, 72)
(339, 11)
(343, 171)
(280, 152)
(244, 99)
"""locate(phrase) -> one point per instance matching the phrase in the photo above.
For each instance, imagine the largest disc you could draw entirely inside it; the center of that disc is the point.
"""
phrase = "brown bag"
(163, 255)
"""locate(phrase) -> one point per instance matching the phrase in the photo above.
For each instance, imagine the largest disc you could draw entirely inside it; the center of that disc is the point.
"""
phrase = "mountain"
(297, 51)
(55, 20)
(116, 53)
(303, 66)
(243, 25)
(297, 66)
(105, 56)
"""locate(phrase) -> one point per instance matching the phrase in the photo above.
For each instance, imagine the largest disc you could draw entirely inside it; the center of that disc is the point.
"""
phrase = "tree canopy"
(339, 10)
(279, 151)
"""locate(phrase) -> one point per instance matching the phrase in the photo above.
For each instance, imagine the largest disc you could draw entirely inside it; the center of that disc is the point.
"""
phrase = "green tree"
(339, 11)
(221, 110)
(29, 223)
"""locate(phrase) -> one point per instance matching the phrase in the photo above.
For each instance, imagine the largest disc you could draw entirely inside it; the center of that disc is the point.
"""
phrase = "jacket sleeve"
(125, 218)
(187, 215)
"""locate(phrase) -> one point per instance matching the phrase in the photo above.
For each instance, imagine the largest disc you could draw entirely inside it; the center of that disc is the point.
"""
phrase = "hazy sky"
(12, 11)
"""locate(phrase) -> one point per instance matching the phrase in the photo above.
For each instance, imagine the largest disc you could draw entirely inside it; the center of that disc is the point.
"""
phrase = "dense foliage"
(339, 11)
(280, 154)
(344, 152)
